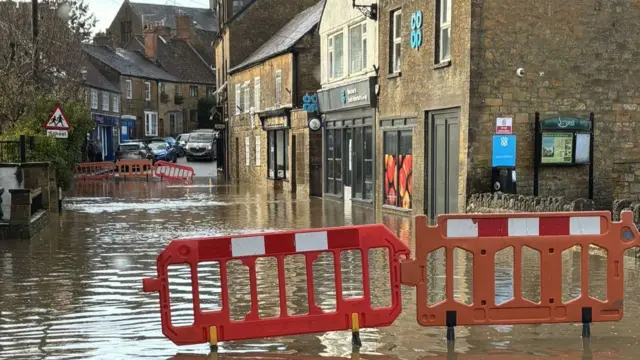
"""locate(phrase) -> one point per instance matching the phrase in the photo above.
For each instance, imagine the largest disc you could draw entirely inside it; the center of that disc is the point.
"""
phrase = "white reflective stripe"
(584, 225)
(524, 226)
(457, 228)
(247, 246)
(313, 241)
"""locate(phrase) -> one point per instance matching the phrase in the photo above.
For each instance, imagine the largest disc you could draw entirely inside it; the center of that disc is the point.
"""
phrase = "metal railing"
(16, 150)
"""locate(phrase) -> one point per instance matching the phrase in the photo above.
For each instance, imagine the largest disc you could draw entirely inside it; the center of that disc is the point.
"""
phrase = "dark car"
(132, 151)
(201, 145)
(163, 151)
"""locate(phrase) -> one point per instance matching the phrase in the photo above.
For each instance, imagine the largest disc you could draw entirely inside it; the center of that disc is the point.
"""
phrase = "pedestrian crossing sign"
(57, 120)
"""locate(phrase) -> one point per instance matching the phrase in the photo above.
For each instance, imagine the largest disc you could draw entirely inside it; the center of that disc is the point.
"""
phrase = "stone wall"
(509, 203)
(626, 180)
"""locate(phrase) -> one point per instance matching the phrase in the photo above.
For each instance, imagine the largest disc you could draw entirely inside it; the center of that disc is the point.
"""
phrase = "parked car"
(181, 142)
(201, 145)
(132, 151)
(163, 151)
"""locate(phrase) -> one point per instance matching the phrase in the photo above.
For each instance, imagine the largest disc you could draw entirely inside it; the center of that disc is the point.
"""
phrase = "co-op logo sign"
(416, 30)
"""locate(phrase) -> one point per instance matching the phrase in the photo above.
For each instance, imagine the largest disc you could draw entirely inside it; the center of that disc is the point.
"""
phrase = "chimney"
(183, 27)
(104, 39)
(151, 41)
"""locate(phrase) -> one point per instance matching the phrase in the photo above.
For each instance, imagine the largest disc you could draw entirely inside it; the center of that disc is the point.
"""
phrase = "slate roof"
(179, 59)
(286, 37)
(95, 79)
(203, 19)
(128, 63)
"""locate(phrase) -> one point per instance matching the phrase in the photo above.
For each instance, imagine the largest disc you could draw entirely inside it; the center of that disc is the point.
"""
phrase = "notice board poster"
(557, 148)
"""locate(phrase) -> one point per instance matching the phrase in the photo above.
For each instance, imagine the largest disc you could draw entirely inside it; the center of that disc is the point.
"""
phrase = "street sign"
(57, 124)
(504, 125)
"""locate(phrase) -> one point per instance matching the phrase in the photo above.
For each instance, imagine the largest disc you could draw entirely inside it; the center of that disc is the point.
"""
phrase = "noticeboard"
(557, 148)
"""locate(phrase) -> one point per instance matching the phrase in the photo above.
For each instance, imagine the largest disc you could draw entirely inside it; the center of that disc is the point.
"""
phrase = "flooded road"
(75, 292)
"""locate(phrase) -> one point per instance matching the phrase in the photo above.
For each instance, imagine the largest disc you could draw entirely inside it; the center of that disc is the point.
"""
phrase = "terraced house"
(162, 78)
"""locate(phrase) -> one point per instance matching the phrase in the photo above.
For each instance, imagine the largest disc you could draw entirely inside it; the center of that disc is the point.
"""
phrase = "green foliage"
(204, 112)
(62, 153)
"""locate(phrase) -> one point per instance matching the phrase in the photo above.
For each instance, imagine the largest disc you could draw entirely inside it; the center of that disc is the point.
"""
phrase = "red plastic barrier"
(214, 326)
(173, 172)
(94, 170)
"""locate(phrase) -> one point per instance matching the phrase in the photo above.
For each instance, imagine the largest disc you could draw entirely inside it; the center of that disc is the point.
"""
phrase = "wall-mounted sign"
(354, 95)
(504, 125)
(310, 102)
(504, 151)
(557, 148)
(219, 126)
(416, 29)
(105, 120)
(275, 122)
(315, 124)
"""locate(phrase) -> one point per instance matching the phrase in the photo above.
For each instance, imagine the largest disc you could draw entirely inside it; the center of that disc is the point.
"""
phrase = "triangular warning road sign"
(57, 120)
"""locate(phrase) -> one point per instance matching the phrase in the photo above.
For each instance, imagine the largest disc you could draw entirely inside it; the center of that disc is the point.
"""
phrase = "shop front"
(106, 131)
(277, 125)
(349, 140)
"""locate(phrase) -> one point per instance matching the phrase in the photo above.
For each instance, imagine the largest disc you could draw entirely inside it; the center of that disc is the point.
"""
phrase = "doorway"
(348, 164)
(442, 139)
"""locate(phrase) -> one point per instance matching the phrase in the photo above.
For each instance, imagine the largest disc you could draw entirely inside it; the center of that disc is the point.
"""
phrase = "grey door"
(443, 145)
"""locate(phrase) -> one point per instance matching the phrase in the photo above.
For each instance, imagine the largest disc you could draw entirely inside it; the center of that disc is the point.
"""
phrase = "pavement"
(202, 168)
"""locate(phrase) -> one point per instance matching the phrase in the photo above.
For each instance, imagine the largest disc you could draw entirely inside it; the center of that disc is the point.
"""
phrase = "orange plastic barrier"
(134, 169)
(483, 235)
(173, 172)
(214, 326)
(94, 170)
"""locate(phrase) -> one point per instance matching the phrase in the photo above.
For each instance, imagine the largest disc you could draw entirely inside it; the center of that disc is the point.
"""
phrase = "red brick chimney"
(151, 41)
(183, 27)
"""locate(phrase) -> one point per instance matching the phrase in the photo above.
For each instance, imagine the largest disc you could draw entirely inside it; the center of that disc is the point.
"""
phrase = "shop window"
(278, 167)
(334, 161)
(397, 176)
(363, 163)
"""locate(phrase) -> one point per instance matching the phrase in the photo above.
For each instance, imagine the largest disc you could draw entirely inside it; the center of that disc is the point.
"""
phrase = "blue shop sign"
(105, 120)
(504, 151)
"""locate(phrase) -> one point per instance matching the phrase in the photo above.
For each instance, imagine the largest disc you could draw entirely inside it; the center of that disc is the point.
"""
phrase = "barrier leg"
(213, 338)
(355, 330)
(586, 322)
(451, 326)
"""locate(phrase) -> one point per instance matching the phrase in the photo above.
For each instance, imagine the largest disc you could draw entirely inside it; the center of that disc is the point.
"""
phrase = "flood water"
(75, 291)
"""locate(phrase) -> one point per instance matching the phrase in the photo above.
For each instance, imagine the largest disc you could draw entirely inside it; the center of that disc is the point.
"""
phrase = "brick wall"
(578, 58)
(423, 85)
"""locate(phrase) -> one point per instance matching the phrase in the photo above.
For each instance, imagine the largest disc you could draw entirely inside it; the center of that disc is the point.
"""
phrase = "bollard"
(59, 199)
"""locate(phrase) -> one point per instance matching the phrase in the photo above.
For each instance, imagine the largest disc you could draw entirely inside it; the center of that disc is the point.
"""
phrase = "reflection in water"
(75, 291)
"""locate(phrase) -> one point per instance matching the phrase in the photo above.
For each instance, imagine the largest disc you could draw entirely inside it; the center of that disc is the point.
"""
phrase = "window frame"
(149, 116)
(256, 94)
(397, 131)
(247, 151)
(115, 103)
(258, 146)
(94, 99)
(396, 40)
(193, 91)
(272, 136)
(129, 89)
(278, 84)
(106, 101)
(443, 26)
(147, 91)
(247, 96)
(332, 75)
(363, 47)
(237, 102)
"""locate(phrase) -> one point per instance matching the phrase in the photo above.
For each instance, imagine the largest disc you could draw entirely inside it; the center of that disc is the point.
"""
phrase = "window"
(444, 30)
(163, 88)
(210, 91)
(94, 98)
(357, 48)
(175, 124)
(362, 158)
(177, 89)
(258, 150)
(237, 103)
(334, 161)
(398, 169)
(247, 149)
(247, 97)
(129, 89)
(278, 167)
(256, 94)
(193, 91)
(116, 103)
(193, 115)
(396, 41)
(336, 49)
(147, 91)
(125, 31)
(278, 86)
(150, 123)
(105, 101)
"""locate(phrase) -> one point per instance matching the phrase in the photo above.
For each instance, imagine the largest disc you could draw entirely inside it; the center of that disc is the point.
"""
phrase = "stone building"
(104, 102)
(347, 100)
(240, 34)
(449, 69)
(271, 142)
(132, 18)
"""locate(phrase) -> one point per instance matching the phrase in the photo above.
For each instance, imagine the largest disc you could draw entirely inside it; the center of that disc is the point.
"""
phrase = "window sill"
(394, 75)
(394, 208)
(442, 65)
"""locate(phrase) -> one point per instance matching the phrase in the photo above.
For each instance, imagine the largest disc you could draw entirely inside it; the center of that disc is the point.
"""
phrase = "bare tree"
(57, 73)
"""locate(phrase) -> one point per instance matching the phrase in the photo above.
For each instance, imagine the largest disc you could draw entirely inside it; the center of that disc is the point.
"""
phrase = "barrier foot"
(355, 354)
(587, 318)
(213, 355)
(451, 351)
(451, 334)
(586, 349)
(586, 331)
(355, 330)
